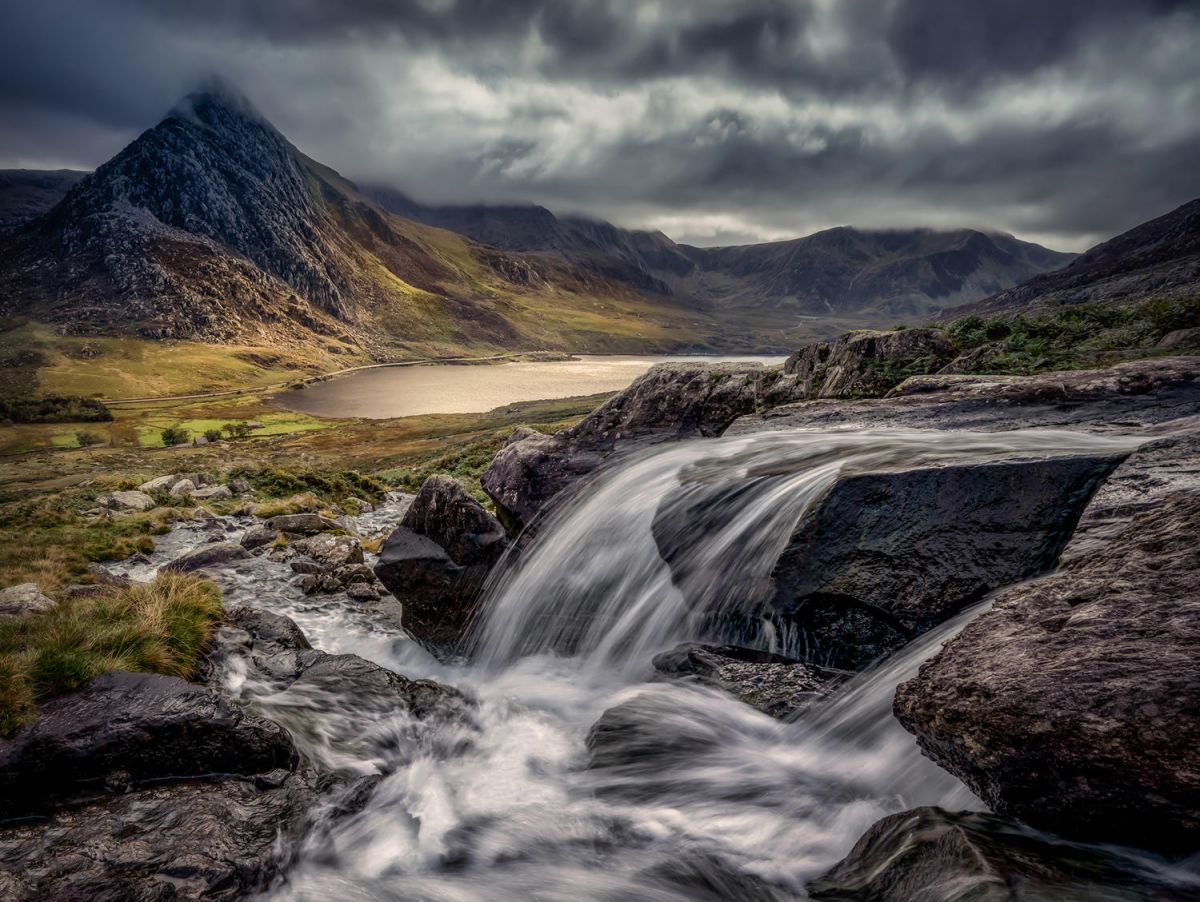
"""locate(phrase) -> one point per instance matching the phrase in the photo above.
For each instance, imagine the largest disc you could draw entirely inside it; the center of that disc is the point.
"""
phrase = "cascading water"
(712, 799)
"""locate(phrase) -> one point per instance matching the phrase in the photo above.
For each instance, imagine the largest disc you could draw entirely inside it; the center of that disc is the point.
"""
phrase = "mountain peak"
(215, 100)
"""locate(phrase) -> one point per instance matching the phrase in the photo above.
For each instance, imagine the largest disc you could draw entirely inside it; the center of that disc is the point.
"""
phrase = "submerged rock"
(23, 600)
(259, 537)
(935, 856)
(779, 686)
(1072, 703)
(436, 562)
(884, 557)
(124, 729)
(674, 400)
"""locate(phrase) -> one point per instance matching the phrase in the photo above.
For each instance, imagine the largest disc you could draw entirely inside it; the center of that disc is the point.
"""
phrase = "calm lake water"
(441, 388)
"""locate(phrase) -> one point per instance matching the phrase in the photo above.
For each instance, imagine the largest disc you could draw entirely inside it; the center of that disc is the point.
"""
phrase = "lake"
(446, 388)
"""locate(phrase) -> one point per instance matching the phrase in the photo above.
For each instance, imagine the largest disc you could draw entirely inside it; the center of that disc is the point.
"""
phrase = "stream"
(728, 803)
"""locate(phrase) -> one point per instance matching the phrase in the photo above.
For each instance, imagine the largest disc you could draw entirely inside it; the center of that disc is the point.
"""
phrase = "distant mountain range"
(894, 273)
(211, 226)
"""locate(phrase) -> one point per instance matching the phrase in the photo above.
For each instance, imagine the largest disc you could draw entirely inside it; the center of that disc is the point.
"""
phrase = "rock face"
(867, 363)
(778, 686)
(23, 600)
(1072, 704)
(671, 401)
(437, 560)
(935, 856)
(124, 729)
(884, 557)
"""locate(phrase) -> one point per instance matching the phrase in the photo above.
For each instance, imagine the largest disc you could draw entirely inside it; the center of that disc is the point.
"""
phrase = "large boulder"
(330, 551)
(938, 856)
(882, 557)
(867, 363)
(436, 562)
(214, 554)
(126, 501)
(23, 600)
(1072, 703)
(776, 685)
(126, 729)
(675, 400)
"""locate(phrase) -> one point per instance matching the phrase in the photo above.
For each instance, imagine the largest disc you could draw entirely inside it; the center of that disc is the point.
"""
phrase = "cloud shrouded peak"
(718, 122)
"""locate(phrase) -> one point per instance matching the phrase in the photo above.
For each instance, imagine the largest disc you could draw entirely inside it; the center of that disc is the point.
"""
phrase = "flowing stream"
(714, 800)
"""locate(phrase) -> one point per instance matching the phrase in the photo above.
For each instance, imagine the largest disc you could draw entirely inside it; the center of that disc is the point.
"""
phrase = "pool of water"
(445, 388)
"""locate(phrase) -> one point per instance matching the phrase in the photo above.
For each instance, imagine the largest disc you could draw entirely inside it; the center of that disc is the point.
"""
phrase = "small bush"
(213, 435)
(175, 435)
(85, 438)
(159, 627)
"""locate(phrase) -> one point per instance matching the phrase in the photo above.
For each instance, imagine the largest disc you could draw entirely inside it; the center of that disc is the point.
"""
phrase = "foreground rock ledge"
(1074, 704)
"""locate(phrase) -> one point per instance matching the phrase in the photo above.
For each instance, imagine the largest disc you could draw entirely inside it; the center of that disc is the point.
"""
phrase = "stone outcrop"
(885, 557)
(436, 562)
(1144, 392)
(23, 600)
(866, 363)
(126, 729)
(1071, 704)
(671, 401)
(936, 856)
(776, 685)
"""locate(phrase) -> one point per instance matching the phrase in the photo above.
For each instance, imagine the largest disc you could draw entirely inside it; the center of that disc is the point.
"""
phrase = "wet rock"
(671, 401)
(1071, 704)
(355, 573)
(123, 729)
(884, 557)
(127, 501)
(23, 600)
(776, 685)
(330, 551)
(936, 856)
(311, 583)
(160, 483)
(212, 493)
(437, 560)
(301, 524)
(866, 363)
(307, 567)
(212, 840)
(183, 487)
(211, 555)
(259, 537)
(271, 646)
(362, 592)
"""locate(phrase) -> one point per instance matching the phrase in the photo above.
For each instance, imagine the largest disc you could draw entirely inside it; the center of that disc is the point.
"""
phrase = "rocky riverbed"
(668, 668)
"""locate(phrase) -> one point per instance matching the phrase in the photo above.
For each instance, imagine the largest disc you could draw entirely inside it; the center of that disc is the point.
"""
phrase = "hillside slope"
(28, 193)
(1158, 258)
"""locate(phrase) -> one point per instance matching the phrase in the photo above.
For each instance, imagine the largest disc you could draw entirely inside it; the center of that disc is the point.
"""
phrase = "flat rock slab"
(934, 855)
(1074, 703)
(123, 729)
(211, 555)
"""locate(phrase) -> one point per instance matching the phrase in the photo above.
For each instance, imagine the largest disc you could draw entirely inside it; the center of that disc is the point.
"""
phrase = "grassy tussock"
(159, 627)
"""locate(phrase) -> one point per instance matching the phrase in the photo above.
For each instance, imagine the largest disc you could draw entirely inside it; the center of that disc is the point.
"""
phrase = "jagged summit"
(213, 100)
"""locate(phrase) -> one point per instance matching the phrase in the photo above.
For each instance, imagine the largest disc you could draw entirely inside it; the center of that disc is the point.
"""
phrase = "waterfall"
(720, 801)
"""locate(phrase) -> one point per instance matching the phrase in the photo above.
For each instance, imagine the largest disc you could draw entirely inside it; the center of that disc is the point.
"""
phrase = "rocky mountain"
(28, 193)
(212, 226)
(836, 271)
(1160, 257)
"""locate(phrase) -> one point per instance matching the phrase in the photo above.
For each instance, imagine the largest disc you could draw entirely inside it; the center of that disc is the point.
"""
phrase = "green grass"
(160, 627)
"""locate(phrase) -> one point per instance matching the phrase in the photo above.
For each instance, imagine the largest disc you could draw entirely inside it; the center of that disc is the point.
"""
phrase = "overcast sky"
(717, 121)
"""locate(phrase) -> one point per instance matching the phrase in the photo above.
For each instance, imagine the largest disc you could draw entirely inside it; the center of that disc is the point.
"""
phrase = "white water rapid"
(714, 800)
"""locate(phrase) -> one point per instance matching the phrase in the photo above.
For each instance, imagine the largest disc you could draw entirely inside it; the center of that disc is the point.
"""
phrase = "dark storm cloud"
(716, 120)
